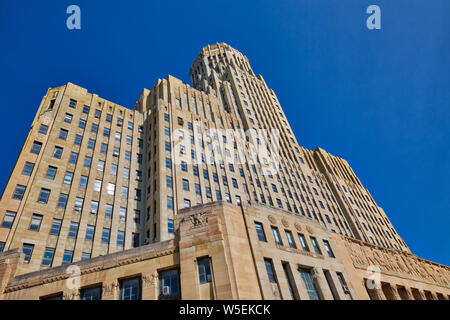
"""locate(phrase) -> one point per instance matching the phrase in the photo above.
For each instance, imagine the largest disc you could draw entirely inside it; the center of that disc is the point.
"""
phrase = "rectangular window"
(2, 246)
(124, 193)
(94, 207)
(111, 188)
(48, 257)
(270, 271)
(290, 239)
(315, 245)
(187, 203)
(170, 202)
(51, 173)
(204, 270)
(8, 220)
(27, 250)
(57, 152)
(327, 246)
(78, 204)
(114, 169)
(78, 140)
(91, 144)
(169, 285)
(310, 284)
(92, 293)
(123, 214)
(130, 289)
(73, 157)
(100, 165)
(28, 168)
(85, 256)
(87, 162)
(126, 173)
(44, 195)
(68, 118)
(105, 235)
(67, 257)
(63, 134)
(36, 148)
(168, 181)
(120, 238)
(185, 185)
(68, 177)
(276, 236)
(303, 243)
(94, 128)
(43, 129)
(19, 192)
(83, 182)
(35, 223)
(97, 185)
(260, 232)
(72, 103)
(184, 166)
(56, 226)
(170, 226)
(108, 210)
(104, 148)
(62, 200)
(73, 230)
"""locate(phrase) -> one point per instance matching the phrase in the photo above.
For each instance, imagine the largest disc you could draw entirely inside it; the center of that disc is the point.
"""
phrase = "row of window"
(291, 242)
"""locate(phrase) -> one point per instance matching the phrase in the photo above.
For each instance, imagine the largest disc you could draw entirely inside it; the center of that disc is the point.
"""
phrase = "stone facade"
(226, 234)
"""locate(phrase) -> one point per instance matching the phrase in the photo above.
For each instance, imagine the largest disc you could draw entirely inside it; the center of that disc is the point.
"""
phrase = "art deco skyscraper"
(95, 178)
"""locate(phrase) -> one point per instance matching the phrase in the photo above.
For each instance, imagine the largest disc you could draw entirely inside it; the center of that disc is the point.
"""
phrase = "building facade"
(96, 183)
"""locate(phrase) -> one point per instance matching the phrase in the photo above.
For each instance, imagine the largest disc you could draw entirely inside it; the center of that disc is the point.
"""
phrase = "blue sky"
(378, 98)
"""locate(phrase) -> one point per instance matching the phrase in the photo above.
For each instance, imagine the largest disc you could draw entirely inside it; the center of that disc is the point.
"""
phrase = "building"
(194, 178)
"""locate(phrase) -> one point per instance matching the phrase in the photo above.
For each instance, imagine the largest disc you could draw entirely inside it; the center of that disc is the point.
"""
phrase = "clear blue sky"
(379, 99)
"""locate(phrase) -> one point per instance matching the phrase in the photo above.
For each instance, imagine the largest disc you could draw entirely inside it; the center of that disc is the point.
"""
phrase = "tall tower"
(95, 178)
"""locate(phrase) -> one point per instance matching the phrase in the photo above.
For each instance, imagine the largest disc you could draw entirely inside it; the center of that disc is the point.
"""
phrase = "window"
(108, 210)
(51, 173)
(62, 200)
(270, 271)
(197, 189)
(100, 165)
(44, 195)
(106, 132)
(276, 236)
(327, 246)
(27, 250)
(137, 216)
(98, 113)
(8, 220)
(91, 144)
(114, 169)
(43, 129)
(170, 225)
(124, 193)
(92, 293)
(120, 238)
(104, 148)
(97, 185)
(108, 117)
(83, 182)
(56, 226)
(28, 168)
(310, 284)
(78, 140)
(68, 118)
(123, 214)
(86, 109)
(127, 156)
(169, 285)
(35, 224)
(18, 193)
(169, 202)
(67, 257)
(185, 185)
(85, 256)
(290, 239)
(130, 289)
(184, 166)
(168, 181)
(126, 173)
(315, 245)
(72, 103)
(73, 157)
(105, 235)
(2, 246)
(111, 188)
(187, 203)
(36, 148)
(117, 136)
(63, 134)
(235, 184)
(73, 230)
(94, 207)
(130, 125)
(129, 140)
(218, 195)
(87, 162)
(68, 177)
(78, 204)
(94, 128)
(48, 257)
(204, 270)
(303, 243)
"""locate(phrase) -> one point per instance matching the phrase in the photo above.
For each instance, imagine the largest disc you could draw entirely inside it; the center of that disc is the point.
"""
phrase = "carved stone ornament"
(309, 229)
(298, 226)
(285, 222)
(150, 280)
(272, 219)
(110, 289)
